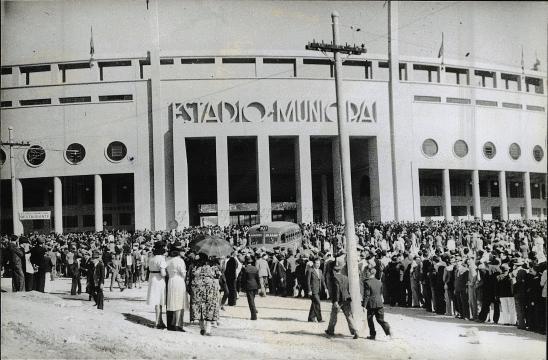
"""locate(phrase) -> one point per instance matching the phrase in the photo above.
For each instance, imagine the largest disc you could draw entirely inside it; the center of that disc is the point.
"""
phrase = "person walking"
(341, 301)
(315, 284)
(156, 294)
(205, 293)
(231, 276)
(176, 287)
(250, 281)
(372, 301)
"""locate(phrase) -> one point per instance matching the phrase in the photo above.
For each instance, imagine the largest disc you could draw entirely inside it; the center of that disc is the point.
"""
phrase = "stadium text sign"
(302, 111)
(34, 215)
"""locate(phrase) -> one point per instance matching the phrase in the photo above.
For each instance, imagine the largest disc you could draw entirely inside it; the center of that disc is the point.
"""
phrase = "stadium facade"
(164, 138)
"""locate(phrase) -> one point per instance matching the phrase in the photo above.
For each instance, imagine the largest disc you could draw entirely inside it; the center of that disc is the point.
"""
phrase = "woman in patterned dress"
(156, 283)
(205, 293)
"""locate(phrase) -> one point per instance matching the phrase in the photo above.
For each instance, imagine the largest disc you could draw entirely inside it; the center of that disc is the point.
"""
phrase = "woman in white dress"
(156, 284)
(176, 287)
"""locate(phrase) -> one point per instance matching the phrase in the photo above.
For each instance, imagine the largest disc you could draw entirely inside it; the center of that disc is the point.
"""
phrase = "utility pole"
(344, 144)
(17, 226)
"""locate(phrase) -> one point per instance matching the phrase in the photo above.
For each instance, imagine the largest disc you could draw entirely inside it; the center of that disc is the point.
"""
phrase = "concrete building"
(150, 134)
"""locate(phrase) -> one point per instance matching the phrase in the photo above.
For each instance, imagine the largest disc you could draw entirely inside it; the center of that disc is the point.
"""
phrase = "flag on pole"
(522, 62)
(91, 48)
(440, 51)
(536, 65)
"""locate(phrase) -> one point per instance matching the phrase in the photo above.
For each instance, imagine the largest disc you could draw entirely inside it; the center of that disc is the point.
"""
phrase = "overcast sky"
(492, 32)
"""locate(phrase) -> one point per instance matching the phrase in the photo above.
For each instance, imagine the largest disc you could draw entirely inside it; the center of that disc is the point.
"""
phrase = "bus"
(281, 234)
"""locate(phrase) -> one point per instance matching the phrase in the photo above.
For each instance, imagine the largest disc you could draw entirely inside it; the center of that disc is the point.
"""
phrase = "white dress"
(176, 287)
(156, 283)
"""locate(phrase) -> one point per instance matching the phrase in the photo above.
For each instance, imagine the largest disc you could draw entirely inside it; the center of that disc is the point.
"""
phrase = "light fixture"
(535, 185)
(50, 191)
(496, 183)
(87, 189)
(516, 184)
(124, 187)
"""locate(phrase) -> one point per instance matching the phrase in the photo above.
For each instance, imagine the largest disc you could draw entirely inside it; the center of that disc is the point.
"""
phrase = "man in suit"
(316, 285)
(341, 300)
(37, 259)
(17, 262)
(372, 301)
(98, 279)
(264, 273)
(250, 282)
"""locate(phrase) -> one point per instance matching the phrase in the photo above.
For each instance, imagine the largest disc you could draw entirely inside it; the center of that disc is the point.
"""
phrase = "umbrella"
(212, 246)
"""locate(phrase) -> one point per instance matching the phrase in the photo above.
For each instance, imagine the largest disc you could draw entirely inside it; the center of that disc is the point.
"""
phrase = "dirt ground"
(61, 326)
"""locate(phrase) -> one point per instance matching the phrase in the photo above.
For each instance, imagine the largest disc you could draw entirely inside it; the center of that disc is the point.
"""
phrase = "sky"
(492, 32)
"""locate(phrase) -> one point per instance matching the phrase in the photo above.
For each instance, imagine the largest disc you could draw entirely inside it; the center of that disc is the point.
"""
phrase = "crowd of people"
(475, 270)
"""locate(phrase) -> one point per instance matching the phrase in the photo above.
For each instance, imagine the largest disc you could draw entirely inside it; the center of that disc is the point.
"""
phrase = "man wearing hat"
(250, 282)
(17, 261)
(98, 277)
(519, 289)
(341, 301)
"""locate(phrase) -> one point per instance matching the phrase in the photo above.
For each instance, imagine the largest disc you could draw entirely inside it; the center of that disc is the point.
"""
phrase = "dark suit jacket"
(340, 291)
(37, 257)
(315, 283)
(372, 293)
(250, 277)
(99, 274)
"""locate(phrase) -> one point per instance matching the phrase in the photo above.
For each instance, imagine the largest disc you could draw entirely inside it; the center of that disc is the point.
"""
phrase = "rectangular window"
(37, 224)
(36, 74)
(127, 97)
(452, 100)
(279, 67)
(459, 210)
(167, 62)
(70, 194)
(533, 85)
(75, 99)
(535, 191)
(485, 78)
(115, 70)
(88, 221)
(512, 105)
(124, 219)
(383, 74)
(77, 72)
(35, 102)
(237, 67)
(484, 188)
(6, 104)
(486, 103)
(430, 210)
(535, 108)
(494, 188)
(70, 221)
(357, 69)
(426, 73)
(427, 98)
(107, 218)
(510, 82)
(458, 187)
(516, 189)
(197, 61)
(456, 76)
(317, 68)
(430, 187)
(198, 68)
(6, 70)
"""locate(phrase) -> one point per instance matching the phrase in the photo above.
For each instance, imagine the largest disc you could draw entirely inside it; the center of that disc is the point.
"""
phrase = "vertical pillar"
(259, 67)
(17, 224)
(337, 181)
(476, 194)
(58, 204)
(374, 188)
(303, 175)
(180, 176)
(223, 206)
(502, 194)
(527, 194)
(447, 195)
(325, 208)
(299, 67)
(56, 73)
(98, 184)
(264, 203)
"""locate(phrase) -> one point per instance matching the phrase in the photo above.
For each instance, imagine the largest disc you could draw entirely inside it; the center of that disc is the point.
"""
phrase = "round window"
(538, 153)
(515, 151)
(2, 157)
(429, 147)
(489, 150)
(35, 155)
(116, 151)
(460, 148)
(75, 153)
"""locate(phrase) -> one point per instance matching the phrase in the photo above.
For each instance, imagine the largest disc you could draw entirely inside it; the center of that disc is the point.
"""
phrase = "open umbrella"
(212, 246)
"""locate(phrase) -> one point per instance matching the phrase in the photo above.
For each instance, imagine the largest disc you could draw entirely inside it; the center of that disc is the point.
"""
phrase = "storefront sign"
(35, 215)
(301, 111)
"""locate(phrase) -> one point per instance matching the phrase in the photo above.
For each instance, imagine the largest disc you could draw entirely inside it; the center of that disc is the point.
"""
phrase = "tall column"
(325, 203)
(180, 176)
(502, 194)
(476, 194)
(264, 203)
(58, 204)
(223, 206)
(527, 194)
(337, 181)
(374, 186)
(303, 175)
(17, 223)
(447, 195)
(98, 182)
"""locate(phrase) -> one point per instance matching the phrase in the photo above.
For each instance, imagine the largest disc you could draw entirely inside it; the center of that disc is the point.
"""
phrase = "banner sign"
(301, 111)
(35, 215)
